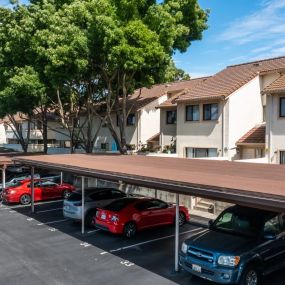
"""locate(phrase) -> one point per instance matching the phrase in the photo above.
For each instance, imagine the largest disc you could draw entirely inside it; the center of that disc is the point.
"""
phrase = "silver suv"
(94, 198)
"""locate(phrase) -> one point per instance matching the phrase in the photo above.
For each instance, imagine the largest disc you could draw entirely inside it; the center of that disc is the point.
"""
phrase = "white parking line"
(52, 222)
(51, 210)
(153, 240)
(93, 231)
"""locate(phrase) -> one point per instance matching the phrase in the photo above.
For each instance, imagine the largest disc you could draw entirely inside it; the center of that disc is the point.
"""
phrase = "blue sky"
(239, 31)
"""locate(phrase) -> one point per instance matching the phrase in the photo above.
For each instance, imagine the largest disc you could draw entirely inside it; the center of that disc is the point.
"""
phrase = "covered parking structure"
(255, 185)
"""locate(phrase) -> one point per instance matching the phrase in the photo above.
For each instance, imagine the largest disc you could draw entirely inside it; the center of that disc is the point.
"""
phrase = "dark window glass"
(282, 157)
(170, 117)
(210, 112)
(131, 120)
(119, 205)
(117, 194)
(273, 226)
(282, 107)
(192, 113)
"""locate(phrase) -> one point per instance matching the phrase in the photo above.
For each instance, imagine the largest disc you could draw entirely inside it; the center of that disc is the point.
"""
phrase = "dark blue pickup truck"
(240, 247)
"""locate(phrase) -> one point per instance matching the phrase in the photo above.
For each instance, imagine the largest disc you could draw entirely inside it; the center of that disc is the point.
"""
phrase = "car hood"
(220, 242)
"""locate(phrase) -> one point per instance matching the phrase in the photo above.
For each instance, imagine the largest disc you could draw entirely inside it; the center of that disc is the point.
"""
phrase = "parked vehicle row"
(240, 247)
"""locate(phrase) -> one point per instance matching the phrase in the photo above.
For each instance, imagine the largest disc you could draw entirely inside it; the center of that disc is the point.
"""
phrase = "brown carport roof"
(258, 185)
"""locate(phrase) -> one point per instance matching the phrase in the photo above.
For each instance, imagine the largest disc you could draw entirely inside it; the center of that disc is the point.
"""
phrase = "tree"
(130, 44)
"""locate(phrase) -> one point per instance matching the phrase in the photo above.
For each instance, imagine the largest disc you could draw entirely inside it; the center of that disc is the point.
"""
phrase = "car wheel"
(250, 276)
(89, 218)
(66, 194)
(25, 199)
(130, 229)
(182, 219)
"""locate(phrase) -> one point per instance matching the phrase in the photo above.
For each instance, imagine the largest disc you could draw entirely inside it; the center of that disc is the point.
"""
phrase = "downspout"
(270, 128)
(223, 126)
(138, 129)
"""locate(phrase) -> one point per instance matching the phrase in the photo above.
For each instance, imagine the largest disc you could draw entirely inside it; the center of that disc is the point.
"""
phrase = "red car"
(128, 215)
(44, 190)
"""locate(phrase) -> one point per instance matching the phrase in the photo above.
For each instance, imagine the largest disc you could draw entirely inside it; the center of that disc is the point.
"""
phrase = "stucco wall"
(168, 131)
(245, 111)
(200, 134)
(3, 139)
(277, 129)
(150, 120)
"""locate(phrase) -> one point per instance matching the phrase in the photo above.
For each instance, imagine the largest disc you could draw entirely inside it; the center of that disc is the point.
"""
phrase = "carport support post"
(61, 177)
(83, 206)
(32, 190)
(3, 177)
(177, 233)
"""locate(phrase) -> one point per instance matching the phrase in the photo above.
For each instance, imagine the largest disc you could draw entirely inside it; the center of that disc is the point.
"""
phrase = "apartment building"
(143, 122)
(214, 115)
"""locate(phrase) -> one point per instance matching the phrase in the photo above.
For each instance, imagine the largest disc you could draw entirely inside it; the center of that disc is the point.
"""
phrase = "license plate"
(197, 268)
(103, 216)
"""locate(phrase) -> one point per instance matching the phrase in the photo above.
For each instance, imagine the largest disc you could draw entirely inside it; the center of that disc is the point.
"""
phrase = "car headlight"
(229, 260)
(184, 247)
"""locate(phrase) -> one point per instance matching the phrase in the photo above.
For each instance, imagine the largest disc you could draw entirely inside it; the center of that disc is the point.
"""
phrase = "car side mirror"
(210, 223)
(269, 236)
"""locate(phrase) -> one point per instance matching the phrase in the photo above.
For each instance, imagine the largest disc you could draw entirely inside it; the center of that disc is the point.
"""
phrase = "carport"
(255, 185)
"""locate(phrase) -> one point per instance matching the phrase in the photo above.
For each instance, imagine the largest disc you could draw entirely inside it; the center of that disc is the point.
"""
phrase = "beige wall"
(244, 112)
(200, 134)
(275, 129)
(168, 131)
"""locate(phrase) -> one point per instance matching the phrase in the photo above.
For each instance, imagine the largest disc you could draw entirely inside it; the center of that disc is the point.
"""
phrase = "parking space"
(46, 248)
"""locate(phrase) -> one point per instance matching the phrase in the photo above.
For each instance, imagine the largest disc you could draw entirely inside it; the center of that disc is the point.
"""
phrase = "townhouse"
(143, 122)
(215, 115)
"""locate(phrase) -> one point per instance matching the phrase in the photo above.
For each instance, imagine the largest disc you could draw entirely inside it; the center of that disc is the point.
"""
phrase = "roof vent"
(256, 64)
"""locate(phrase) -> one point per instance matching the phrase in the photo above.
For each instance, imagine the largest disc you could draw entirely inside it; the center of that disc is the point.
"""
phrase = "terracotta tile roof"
(255, 135)
(142, 97)
(171, 102)
(225, 82)
(277, 86)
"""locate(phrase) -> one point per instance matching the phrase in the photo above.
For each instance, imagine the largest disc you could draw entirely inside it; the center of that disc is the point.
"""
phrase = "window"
(192, 113)
(201, 152)
(273, 226)
(131, 120)
(282, 157)
(170, 117)
(282, 107)
(210, 112)
(104, 146)
(117, 194)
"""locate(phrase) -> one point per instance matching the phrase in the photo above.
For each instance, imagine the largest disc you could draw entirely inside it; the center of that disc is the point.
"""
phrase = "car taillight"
(114, 219)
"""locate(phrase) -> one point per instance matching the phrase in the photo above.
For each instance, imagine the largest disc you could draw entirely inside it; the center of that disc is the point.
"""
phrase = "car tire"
(89, 218)
(250, 276)
(130, 229)
(66, 194)
(25, 199)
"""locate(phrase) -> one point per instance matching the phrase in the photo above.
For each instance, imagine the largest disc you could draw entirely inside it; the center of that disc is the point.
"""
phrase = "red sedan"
(44, 190)
(128, 215)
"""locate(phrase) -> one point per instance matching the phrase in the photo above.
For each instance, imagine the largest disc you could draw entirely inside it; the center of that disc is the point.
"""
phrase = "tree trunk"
(45, 129)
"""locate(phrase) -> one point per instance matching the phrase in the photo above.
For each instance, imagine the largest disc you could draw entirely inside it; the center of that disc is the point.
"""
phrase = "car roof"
(249, 211)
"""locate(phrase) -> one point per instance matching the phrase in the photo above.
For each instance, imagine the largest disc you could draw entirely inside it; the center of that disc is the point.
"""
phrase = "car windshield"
(119, 205)
(239, 223)
(75, 196)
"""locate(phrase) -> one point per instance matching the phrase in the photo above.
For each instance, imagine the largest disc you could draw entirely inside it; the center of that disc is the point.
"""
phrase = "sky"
(239, 31)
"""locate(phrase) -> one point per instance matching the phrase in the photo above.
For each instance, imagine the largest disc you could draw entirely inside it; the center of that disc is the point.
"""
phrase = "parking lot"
(45, 248)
